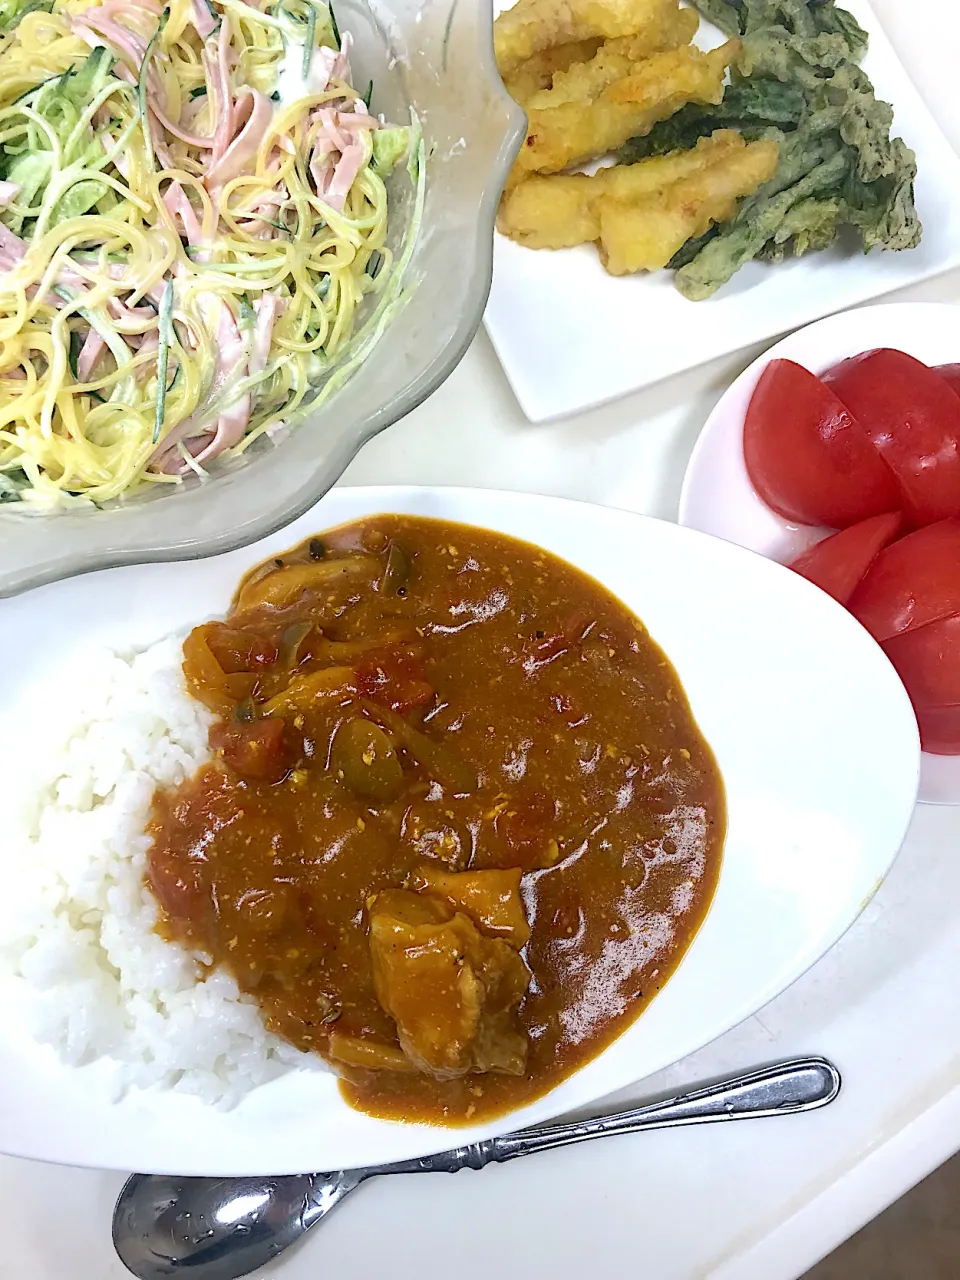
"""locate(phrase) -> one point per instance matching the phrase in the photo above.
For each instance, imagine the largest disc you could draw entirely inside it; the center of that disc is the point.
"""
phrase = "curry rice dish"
(452, 829)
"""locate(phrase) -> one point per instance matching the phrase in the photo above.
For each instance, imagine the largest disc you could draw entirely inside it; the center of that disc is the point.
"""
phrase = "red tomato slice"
(912, 418)
(950, 373)
(928, 662)
(911, 583)
(837, 564)
(939, 729)
(807, 457)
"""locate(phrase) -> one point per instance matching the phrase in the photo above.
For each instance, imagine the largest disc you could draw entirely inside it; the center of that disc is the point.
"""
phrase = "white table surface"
(758, 1201)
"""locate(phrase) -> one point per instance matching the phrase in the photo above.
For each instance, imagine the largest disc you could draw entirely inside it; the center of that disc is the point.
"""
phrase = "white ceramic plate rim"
(717, 496)
(299, 1123)
(570, 337)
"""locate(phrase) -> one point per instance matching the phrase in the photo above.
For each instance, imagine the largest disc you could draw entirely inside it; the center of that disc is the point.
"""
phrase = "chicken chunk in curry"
(453, 993)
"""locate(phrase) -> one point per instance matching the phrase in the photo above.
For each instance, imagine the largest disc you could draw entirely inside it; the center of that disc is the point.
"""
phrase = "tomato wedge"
(806, 455)
(939, 729)
(838, 563)
(928, 662)
(911, 415)
(911, 583)
(950, 373)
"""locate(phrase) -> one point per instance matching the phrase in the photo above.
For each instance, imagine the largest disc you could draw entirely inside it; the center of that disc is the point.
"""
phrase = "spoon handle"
(799, 1084)
(802, 1084)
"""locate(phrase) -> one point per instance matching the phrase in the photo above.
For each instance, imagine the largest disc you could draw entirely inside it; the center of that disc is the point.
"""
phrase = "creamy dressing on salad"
(292, 84)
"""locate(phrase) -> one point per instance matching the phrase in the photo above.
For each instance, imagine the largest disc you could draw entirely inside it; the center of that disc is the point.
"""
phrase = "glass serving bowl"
(436, 56)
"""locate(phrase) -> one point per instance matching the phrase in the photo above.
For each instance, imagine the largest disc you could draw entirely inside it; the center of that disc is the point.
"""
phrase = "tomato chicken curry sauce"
(459, 825)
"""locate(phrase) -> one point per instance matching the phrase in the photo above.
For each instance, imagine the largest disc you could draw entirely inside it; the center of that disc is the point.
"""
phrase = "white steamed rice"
(76, 920)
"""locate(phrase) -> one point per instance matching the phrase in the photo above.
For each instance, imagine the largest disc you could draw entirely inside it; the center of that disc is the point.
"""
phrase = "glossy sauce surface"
(410, 701)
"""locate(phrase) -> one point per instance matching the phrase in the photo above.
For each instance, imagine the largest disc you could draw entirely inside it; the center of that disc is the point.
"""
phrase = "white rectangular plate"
(570, 337)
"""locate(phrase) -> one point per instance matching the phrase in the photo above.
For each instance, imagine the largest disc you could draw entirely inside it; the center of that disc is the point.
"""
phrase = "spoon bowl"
(218, 1228)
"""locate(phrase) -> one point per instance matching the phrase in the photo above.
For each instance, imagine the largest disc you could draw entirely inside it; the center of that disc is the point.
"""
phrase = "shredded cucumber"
(142, 86)
(163, 356)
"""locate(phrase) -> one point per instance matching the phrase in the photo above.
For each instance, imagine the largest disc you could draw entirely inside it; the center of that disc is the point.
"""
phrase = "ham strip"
(338, 154)
(203, 19)
(252, 113)
(267, 307)
(207, 444)
(96, 31)
(12, 247)
(178, 206)
(91, 351)
(218, 89)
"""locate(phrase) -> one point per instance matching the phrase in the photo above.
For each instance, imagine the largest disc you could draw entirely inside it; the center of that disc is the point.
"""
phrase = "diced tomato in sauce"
(176, 890)
(257, 750)
(237, 650)
(394, 678)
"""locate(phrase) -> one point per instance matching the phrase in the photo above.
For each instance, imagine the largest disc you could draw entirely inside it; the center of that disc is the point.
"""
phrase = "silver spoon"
(222, 1228)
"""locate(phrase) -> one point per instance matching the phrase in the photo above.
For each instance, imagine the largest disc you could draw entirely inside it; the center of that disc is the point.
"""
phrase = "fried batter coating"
(534, 25)
(639, 214)
(646, 235)
(538, 72)
(553, 212)
(584, 80)
(558, 137)
(680, 71)
(560, 210)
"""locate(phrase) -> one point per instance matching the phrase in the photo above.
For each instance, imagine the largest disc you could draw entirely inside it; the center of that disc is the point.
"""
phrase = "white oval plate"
(811, 728)
(717, 496)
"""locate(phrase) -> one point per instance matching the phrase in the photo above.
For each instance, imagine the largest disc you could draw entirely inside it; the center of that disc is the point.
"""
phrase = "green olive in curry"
(459, 825)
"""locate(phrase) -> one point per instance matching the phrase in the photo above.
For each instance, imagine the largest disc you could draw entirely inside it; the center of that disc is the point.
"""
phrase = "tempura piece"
(801, 18)
(538, 72)
(750, 106)
(552, 211)
(810, 226)
(645, 235)
(534, 25)
(640, 214)
(697, 75)
(742, 239)
(577, 131)
(561, 210)
(585, 80)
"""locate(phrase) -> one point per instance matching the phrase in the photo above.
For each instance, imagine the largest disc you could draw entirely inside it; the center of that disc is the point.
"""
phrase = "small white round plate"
(811, 729)
(718, 498)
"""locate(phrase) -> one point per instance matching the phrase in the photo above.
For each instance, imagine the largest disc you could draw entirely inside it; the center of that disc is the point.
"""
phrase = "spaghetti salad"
(192, 210)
